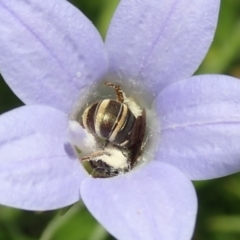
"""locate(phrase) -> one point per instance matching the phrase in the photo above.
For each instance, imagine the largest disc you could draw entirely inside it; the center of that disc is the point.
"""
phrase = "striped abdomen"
(110, 120)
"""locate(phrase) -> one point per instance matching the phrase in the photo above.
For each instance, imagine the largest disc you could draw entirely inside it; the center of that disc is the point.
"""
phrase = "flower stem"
(59, 221)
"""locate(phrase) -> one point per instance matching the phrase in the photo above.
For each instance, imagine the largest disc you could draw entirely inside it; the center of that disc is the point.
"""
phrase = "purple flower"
(51, 56)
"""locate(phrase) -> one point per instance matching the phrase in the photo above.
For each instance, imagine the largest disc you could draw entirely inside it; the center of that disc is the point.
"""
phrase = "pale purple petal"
(50, 52)
(80, 138)
(153, 202)
(200, 126)
(38, 168)
(158, 42)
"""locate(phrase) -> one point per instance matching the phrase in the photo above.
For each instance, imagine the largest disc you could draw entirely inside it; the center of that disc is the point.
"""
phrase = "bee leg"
(139, 129)
(137, 137)
(118, 90)
(105, 144)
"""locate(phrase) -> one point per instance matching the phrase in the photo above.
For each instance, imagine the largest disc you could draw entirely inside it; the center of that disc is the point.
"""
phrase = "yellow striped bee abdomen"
(110, 120)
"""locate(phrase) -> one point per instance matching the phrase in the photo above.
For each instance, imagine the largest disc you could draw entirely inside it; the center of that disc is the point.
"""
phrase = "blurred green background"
(219, 199)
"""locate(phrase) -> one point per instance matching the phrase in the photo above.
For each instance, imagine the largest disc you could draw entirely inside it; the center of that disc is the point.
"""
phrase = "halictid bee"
(114, 122)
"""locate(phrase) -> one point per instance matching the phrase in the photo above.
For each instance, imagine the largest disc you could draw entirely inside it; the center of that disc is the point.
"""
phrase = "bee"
(107, 163)
(114, 122)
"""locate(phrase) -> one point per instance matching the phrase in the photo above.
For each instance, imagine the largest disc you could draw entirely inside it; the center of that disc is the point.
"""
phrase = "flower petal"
(50, 52)
(80, 138)
(158, 42)
(200, 126)
(154, 202)
(38, 169)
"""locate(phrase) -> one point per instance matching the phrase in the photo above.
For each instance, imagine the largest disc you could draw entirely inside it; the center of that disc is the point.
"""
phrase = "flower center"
(115, 134)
